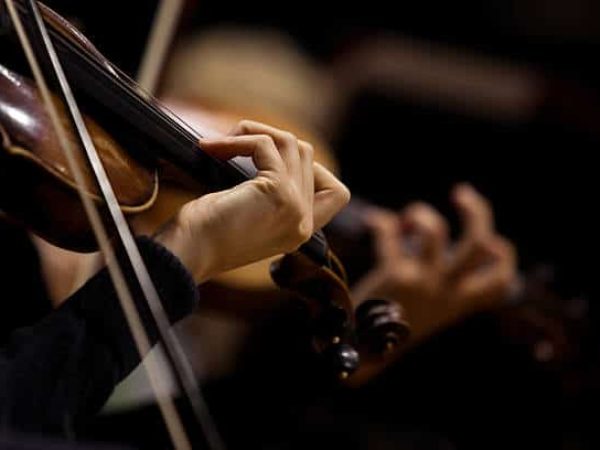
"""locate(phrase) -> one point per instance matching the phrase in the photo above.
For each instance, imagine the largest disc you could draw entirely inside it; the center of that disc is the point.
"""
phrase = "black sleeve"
(61, 370)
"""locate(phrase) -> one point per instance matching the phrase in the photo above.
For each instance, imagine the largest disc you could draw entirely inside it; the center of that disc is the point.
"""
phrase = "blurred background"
(410, 98)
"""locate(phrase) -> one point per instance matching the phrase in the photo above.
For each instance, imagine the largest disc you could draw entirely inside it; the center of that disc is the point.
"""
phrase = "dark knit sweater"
(58, 367)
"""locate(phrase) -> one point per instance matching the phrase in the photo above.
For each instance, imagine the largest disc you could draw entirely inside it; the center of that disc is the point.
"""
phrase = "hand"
(438, 284)
(271, 214)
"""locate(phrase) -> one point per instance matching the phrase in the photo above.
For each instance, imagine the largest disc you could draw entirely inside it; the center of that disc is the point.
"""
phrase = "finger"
(492, 283)
(286, 142)
(475, 211)
(260, 147)
(330, 195)
(504, 253)
(431, 229)
(307, 153)
(478, 226)
(466, 256)
(387, 235)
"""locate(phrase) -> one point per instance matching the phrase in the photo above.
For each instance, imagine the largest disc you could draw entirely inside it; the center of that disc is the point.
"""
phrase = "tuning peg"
(341, 359)
(380, 325)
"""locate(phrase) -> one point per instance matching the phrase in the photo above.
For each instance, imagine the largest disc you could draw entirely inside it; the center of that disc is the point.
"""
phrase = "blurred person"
(490, 120)
(439, 284)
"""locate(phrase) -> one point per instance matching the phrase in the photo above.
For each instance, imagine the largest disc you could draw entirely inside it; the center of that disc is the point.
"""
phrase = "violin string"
(166, 405)
(151, 107)
(130, 88)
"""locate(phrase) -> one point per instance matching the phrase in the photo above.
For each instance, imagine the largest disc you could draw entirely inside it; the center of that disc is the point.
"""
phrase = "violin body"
(34, 170)
(31, 151)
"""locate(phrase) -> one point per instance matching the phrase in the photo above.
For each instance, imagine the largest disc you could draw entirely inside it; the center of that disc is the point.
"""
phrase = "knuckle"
(299, 227)
(265, 141)
(245, 125)
(305, 229)
(288, 137)
(417, 213)
(437, 225)
(272, 187)
(307, 150)
(428, 218)
(291, 214)
(288, 200)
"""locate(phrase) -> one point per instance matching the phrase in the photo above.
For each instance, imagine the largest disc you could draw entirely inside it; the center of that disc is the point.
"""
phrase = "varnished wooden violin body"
(31, 152)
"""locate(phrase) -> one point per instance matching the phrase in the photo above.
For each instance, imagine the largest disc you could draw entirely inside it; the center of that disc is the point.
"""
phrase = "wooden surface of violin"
(31, 152)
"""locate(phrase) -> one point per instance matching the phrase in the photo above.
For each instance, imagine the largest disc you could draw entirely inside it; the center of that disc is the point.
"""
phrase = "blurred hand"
(271, 214)
(438, 283)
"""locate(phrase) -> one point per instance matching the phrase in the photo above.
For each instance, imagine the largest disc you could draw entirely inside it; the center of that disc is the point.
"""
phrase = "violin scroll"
(328, 299)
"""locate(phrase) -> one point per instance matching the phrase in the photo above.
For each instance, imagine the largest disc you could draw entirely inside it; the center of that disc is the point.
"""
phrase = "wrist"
(189, 247)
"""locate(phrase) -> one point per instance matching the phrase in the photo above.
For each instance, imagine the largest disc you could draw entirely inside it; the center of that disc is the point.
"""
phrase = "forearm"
(62, 369)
